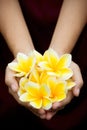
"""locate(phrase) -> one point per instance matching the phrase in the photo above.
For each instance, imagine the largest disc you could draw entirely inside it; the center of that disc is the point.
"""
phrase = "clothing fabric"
(41, 17)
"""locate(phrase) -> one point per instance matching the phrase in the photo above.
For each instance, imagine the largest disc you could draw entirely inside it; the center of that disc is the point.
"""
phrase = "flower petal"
(34, 76)
(70, 84)
(23, 81)
(21, 57)
(26, 97)
(66, 73)
(36, 103)
(44, 91)
(64, 61)
(13, 66)
(38, 56)
(21, 91)
(43, 77)
(46, 103)
(32, 88)
(60, 91)
(51, 57)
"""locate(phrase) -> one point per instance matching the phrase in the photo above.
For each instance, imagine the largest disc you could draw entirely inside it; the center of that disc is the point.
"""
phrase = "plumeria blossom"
(24, 64)
(43, 79)
(58, 89)
(35, 90)
(37, 95)
(57, 66)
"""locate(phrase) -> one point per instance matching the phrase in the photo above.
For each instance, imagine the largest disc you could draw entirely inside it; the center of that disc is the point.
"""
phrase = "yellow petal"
(46, 103)
(26, 97)
(52, 84)
(32, 88)
(64, 61)
(21, 57)
(14, 66)
(19, 74)
(70, 84)
(44, 91)
(21, 91)
(65, 73)
(23, 81)
(60, 91)
(36, 103)
(43, 77)
(44, 65)
(34, 76)
(38, 56)
(56, 74)
(51, 57)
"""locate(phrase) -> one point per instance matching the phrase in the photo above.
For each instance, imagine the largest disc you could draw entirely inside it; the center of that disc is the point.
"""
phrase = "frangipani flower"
(37, 95)
(58, 89)
(24, 64)
(56, 66)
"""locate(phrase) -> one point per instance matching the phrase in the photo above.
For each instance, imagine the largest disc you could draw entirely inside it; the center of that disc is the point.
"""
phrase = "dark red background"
(41, 23)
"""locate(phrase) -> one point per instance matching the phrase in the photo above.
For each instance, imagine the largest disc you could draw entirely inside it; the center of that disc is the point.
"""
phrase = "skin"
(68, 28)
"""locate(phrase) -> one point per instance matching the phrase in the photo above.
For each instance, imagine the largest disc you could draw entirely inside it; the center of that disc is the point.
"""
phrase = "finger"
(43, 116)
(10, 80)
(51, 113)
(40, 111)
(77, 77)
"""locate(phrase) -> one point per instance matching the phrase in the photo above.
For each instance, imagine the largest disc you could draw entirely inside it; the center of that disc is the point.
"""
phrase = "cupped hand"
(13, 87)
(75, 91)
(12, 84)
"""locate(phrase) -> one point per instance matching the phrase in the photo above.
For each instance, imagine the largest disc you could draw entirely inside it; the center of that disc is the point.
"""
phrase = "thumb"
(78, 80)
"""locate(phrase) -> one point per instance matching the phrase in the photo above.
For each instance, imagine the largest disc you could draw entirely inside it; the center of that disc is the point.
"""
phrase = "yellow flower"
(36, 95)
(24, 64)
(70, 84)
(58, 89)
(56, 66)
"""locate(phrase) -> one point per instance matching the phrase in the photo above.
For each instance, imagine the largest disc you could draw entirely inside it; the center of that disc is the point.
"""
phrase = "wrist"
(60, 52)
(22, 49)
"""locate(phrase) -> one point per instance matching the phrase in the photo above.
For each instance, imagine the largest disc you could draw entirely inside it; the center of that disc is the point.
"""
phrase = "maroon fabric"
(41, 17)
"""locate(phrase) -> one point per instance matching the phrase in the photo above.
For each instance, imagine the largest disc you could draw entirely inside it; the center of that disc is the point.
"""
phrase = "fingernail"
(77, 92)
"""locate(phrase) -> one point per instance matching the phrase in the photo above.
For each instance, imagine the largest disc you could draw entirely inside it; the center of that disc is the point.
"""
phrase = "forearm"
(70, 23)
(13, 27)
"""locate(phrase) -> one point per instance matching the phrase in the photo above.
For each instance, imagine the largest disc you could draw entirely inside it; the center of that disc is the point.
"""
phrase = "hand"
(12, 84)
(13, 87)
(77, 77)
